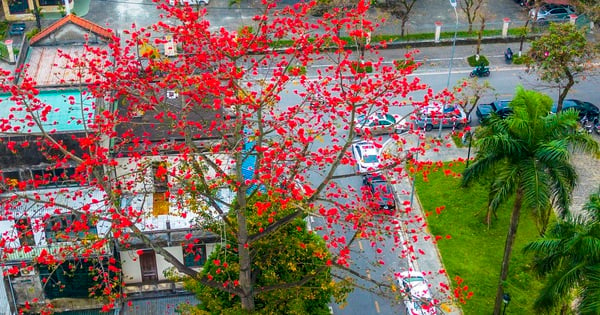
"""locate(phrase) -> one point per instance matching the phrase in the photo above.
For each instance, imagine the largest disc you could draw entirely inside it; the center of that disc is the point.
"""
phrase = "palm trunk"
(510, 240)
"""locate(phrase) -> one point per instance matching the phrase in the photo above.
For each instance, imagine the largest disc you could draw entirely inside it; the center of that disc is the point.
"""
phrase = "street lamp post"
(453, 4)
(506, 300)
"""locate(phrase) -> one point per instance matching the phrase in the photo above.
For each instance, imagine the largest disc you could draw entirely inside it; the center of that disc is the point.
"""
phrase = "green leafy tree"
(469, 91)
(569, 256)
(561, 57)
(294, 259)
(529, 154)
(591, 9)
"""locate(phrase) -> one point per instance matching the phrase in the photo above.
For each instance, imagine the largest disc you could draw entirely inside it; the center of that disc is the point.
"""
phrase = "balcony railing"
(59, 249)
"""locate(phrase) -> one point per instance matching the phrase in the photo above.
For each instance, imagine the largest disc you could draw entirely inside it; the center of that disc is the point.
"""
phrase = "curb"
(459, 42)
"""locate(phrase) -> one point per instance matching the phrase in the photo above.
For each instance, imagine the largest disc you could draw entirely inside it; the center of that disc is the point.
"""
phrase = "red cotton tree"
(178, 130)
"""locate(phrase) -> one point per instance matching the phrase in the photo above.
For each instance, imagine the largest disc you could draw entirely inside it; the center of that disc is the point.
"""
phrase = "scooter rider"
(508, 54)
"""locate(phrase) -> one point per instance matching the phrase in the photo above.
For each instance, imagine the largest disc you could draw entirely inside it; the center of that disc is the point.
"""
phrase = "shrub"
(364, 67)
(32, 33)
(297, 70)
(473, 62)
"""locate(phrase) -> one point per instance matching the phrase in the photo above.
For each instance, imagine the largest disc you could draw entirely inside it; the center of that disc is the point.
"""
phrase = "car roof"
(366, 146)
(502, 104)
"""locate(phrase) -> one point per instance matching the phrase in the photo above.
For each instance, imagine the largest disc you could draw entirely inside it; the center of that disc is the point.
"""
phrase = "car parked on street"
(449, 116)
(501, 108)
(585, 109)
(418, 296)
(551, 13)
(366, 154)
(379, 123)
(381, 191)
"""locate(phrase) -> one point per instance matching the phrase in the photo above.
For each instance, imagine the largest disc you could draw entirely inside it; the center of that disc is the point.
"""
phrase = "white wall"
(130, 264)
(4, 306)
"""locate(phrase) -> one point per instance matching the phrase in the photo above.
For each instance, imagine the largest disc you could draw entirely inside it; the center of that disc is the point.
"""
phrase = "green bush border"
(482, 59)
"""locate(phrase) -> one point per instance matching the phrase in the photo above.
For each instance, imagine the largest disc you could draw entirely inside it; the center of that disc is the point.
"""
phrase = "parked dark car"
(501, 109)
(585, 109)
(381, 191)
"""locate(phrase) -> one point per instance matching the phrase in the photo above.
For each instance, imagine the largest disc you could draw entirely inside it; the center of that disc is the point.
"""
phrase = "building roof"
(81, 22)
(168, 121)
(71, 111)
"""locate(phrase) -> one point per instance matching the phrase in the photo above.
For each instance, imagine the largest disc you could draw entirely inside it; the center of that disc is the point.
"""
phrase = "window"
(18, 6)
(51, 2)
(148, 266)
(68, 228)
(161, 180)
(194, 255)
(51, 177)
(160, 204)
(24, 231)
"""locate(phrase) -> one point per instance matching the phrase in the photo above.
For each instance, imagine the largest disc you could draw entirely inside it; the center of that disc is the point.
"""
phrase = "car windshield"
(370, 159)
(413, 279)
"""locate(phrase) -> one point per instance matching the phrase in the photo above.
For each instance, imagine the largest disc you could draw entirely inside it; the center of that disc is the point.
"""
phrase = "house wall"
(28, 16)
(130, 264)
(4, 305)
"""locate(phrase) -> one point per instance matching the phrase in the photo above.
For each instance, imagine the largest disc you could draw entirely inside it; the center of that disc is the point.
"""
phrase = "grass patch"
(517, 31)
(474, 251)
(519, 60)
(362, 67)
(472, 62)
(297, 70)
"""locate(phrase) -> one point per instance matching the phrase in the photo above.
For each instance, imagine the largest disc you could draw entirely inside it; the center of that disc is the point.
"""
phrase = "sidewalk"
(426, 257)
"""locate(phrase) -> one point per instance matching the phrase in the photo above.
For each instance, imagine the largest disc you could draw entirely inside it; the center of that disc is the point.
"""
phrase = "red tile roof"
(92, 27)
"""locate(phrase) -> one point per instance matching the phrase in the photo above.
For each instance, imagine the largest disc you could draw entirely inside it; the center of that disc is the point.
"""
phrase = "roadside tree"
(561, 57)
(529, 155)
(568, 256)
(218, 113)
(401, 9)
(472, 9)
(469, 91)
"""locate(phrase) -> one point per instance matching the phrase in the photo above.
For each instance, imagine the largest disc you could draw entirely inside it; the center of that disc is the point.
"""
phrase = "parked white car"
(418, 299)
(190, 2)
(366, 154)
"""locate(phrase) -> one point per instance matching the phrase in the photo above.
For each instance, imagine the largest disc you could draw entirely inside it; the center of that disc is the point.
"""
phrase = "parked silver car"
(552, 13)
(449, 116)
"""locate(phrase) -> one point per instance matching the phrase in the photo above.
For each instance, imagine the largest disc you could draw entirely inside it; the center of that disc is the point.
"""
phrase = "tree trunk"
(245, 277)
(403, 24)
(523, 37)
(563, 93)
(510, 240)
(480, 34)
(247, 297)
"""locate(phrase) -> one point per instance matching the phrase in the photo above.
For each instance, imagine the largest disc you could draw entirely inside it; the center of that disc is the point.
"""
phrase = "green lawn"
(474, 251)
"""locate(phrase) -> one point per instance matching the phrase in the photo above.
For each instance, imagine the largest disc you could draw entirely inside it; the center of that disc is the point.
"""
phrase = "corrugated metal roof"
(158, 306)
(82, 312)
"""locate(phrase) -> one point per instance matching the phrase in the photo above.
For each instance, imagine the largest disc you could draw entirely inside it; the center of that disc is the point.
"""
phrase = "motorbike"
(480, 71)
(508, 55)
(588, 125)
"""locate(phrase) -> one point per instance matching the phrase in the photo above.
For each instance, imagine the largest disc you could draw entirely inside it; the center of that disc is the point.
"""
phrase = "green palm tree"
(528, 156)
(569, 255)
